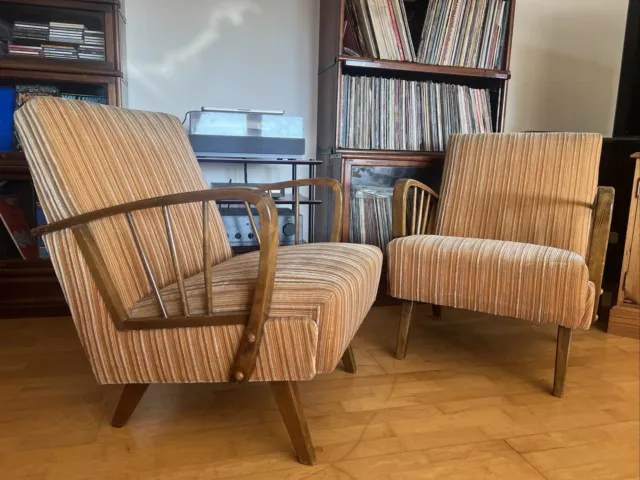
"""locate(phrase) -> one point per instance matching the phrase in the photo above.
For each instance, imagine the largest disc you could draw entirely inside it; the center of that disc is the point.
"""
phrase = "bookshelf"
(368, 173)
(28, 287)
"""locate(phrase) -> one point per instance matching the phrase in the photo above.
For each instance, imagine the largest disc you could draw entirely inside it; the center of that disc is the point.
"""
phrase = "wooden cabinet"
(29, 288)
(624, 318)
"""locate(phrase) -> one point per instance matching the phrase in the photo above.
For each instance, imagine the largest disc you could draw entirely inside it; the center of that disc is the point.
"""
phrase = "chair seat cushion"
(331, 284)
(520, 280)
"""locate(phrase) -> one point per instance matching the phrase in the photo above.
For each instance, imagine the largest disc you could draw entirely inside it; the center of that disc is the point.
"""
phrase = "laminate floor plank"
(471, 401)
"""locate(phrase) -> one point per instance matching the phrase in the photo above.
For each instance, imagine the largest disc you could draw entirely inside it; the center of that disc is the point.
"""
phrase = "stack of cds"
(60, 51)
(25, 50)
(66, 32)
(93, 46)
(94, 38)
(30, 31)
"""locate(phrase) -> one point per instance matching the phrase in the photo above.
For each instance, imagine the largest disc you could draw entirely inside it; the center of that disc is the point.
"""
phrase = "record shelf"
(376, 170)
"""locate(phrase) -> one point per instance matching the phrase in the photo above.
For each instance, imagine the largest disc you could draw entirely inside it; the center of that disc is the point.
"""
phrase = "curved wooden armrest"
(603, 210)
(421, 214)
(250, 341)
(332, 183)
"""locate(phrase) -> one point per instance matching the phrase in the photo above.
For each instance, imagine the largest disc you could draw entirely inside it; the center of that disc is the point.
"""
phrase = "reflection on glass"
(371, 219)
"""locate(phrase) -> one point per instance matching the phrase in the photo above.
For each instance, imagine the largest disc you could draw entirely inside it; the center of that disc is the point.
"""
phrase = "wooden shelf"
(13, 166)
(258, 161)
(392, 65)
(392, 154)
(57, 65)
(49, 2)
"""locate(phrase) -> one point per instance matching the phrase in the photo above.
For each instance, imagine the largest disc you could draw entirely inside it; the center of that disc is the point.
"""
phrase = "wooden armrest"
(599, 240)
(421, 214)
(336, 186)
(250, 341)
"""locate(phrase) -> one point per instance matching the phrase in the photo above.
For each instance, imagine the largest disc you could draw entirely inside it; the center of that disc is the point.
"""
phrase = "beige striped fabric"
(332, 284)
(522, 187)
(513, 226)
(85, 157)
(520, 280)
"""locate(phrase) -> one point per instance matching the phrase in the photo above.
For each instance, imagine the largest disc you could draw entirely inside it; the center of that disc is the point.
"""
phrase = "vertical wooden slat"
(425, 220)
(413, 215)
(252, 221)
(145, 263)
(419, 222)
(296, 212)
(206, 258)
(176, 262)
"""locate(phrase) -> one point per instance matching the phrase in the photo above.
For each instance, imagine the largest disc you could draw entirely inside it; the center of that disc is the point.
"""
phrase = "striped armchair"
(520, 229)
(156, 295)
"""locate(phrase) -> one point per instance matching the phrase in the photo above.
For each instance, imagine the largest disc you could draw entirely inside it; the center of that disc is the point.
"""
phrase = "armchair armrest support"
(599, 241)
(250, 341)
(422, 213)
(335, 185)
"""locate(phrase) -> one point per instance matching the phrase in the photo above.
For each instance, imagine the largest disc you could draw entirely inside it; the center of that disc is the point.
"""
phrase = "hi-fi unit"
(240, 233)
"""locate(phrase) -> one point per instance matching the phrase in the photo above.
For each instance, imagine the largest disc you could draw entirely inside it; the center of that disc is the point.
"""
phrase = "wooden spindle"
(252, 221)
(296, 212)
(413, 215)
(206, 258)
(176, 262)
(419, 223)
(145, 263)
(425, 220)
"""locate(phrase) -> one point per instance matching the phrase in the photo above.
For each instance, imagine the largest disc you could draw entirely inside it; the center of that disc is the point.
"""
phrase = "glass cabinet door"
(369, 188)
(67, 36)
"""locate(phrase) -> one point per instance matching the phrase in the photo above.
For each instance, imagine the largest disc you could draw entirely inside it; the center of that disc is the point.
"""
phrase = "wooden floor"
(471, 401)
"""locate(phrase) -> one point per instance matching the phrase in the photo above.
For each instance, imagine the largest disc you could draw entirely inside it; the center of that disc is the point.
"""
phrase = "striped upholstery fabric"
(522, 187)
(332, 284)
(513, 220)
(85, 157)
(520, 280)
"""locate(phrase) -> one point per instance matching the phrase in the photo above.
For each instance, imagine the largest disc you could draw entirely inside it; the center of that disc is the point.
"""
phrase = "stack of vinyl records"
(66, 32)
(394, 114)
(30, 31)
(25, 50)
(371, 215)
(380, 29)
(466, 33)
(60, 51)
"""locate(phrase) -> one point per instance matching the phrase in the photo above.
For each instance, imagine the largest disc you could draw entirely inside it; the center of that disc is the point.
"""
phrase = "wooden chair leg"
(403, 331)
(129, 399)
(562, 360)
(290, 406)
(437, 311)
(349, 360)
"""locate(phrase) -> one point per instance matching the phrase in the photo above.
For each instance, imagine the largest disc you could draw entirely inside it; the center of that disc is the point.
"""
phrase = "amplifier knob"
(289, 229)
(238, 236)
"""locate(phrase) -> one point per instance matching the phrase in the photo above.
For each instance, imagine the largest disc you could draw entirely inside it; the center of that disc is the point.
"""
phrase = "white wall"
(260, 54)
(565, 63)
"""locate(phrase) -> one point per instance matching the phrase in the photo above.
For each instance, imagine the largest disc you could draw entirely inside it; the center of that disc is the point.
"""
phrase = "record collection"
(371, 215)
(70, 41)
(470, 33)
(467, 33)
(394, 114)
(381, 29)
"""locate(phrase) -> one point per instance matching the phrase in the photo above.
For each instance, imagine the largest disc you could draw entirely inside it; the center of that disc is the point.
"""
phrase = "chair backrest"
(85, 157)
(537, 188)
